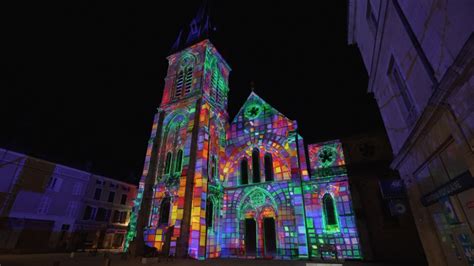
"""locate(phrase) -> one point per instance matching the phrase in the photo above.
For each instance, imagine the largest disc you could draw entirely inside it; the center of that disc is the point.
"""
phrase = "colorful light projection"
(281, 201)
(179, 138)
(326, 159)
(329, 214)
(251, 172)
(327, 154)
(275, 194)
(132, 227)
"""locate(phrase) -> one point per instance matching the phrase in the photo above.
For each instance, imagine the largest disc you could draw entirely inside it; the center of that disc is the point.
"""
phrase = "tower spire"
(176, 44)
(199, 26)
(198, 30)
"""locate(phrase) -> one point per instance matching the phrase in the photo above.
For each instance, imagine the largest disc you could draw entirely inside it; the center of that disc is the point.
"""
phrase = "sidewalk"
(84, 259)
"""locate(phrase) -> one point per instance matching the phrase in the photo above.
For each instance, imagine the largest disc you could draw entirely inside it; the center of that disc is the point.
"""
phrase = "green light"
(253, 110)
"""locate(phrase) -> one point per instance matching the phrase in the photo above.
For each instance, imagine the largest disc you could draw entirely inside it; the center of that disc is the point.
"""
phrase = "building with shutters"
(46, 207)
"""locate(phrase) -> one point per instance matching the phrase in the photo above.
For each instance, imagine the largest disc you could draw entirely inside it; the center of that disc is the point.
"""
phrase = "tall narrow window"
(256, 166)
(244, 172)
(100, 216)
(329, 212)
(209, 213)
(87, 213)
(111, 196)
(214, 172)
(268, 167)
(408, 108)
(97, 193)
(165, 211)
(179, 84)
(168, 163)
(116, 217)
(123, 200)
(179, 161)
(188, 80)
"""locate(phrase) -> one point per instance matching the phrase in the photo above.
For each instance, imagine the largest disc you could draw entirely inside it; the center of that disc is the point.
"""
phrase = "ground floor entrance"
(250, 237)
(269, 237)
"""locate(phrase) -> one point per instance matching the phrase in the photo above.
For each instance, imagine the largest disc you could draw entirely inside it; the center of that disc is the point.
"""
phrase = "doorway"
(269, 236)
(250, 237)
(166, 246)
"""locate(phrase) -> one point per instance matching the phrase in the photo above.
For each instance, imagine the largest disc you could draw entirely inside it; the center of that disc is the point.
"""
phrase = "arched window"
(179, 84)
(256, 165)
(188, 80)
(209, 213)
(168, 163)
(214, 171)
(329, 210)
(179, 161)
(244, 172)
(268, 167)
(165, 211)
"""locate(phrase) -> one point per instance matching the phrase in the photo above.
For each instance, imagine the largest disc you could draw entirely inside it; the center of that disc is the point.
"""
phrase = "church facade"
(215, 188)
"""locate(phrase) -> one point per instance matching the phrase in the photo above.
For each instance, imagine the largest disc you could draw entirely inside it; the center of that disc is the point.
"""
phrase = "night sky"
(81, 81)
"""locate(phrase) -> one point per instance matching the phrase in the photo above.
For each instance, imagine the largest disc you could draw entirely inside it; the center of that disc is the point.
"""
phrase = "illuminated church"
(242, 188)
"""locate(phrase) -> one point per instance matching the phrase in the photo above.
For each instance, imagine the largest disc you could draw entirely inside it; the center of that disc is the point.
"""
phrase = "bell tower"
(182, 167)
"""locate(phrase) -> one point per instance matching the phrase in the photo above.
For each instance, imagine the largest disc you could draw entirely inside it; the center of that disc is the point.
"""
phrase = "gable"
(255, 108)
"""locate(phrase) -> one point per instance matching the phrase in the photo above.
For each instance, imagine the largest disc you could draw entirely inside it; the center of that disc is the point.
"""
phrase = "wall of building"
(259, 131)
(192, 124)
(386, 234)
(37, 190)
(329, 179)
(105, 214)
(200, 209)
(422, 78)
(43, 203)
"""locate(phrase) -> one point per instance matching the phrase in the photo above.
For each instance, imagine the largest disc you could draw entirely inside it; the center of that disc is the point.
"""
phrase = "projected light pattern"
(132, 228)
(239, 189)
(277, 194)
(329, 186)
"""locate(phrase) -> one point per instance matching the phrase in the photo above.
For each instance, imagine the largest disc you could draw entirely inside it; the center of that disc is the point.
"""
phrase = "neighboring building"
(386, 227)
(105, 214)
(42, 204)
(419, 56)
(242, 189)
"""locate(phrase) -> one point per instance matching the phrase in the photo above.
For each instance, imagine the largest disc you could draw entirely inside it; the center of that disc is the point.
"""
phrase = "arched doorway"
(269, 236)
(250, 237)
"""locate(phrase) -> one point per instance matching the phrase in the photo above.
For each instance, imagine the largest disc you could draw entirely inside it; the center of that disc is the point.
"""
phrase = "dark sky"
(81, 81)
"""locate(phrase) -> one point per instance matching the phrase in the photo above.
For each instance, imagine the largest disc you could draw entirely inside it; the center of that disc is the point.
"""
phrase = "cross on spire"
(252, 85)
